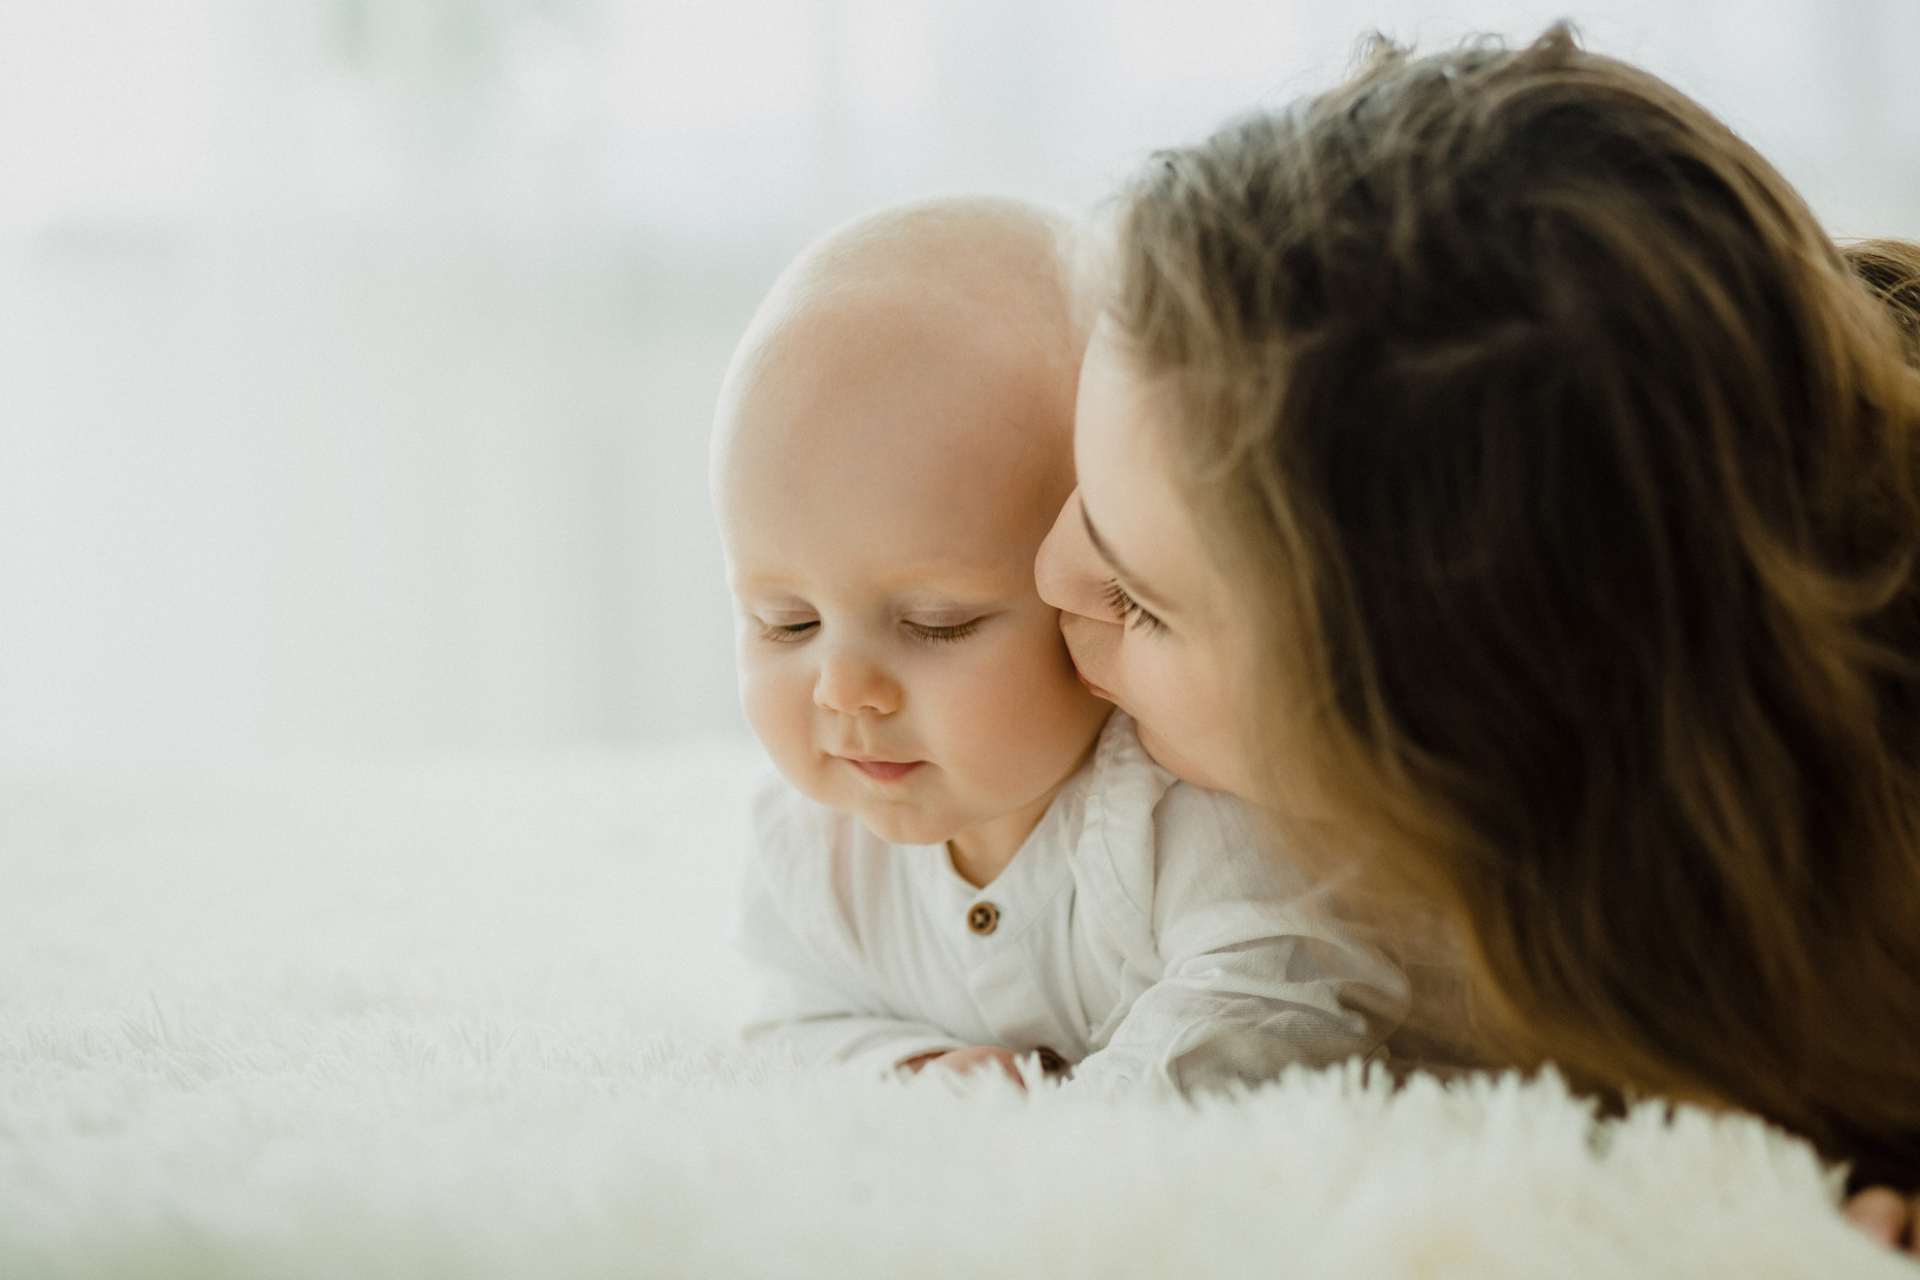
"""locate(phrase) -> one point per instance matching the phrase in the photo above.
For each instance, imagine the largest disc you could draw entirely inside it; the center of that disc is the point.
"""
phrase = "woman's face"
(1148, 618)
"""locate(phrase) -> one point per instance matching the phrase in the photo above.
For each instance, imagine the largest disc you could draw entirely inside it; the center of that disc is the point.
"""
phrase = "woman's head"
(1559, 499)
(1149, 618)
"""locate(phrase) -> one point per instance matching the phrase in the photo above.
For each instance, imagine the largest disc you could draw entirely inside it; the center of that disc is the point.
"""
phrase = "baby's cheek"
(1042, 718)
(779, 708)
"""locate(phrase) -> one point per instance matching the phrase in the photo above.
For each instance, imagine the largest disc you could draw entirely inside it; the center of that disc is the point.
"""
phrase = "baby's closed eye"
(943, 626)
(786, 625)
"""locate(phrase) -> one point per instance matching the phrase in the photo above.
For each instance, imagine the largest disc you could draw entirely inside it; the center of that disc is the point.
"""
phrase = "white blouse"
(1143, 932)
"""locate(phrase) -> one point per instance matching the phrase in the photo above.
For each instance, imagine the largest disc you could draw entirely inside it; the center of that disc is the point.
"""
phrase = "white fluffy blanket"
(471, 1019)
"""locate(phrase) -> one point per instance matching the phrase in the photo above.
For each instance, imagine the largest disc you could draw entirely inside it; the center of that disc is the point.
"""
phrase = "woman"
(1493, 461)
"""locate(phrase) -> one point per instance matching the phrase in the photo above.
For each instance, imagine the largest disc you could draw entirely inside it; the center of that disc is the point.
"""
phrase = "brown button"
(983, 918)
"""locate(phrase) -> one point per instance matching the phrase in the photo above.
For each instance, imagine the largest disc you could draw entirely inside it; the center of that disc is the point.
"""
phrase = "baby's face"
(881, 513)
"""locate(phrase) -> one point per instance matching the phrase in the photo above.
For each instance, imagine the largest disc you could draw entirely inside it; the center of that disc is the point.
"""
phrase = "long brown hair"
(1574, 481)
(1891, 268)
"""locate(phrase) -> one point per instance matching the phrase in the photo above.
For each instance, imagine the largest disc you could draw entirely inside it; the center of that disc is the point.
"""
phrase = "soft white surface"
(471, 1019)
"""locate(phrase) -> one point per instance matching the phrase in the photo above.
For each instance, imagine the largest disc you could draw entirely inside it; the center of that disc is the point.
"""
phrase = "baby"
(970, 856)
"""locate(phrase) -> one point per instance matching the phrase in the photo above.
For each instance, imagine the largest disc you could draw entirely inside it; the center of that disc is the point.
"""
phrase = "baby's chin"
(904, 825)
(905, 819)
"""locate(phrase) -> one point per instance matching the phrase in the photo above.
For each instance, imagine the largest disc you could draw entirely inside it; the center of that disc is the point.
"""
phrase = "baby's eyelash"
(1128, 610)
(959, 631)
(786, 634)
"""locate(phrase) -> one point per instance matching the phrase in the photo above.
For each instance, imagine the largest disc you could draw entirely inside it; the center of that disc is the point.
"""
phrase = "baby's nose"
(852, 685)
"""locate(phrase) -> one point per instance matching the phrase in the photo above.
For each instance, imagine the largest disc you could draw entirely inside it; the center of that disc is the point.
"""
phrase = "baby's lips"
(884, 770)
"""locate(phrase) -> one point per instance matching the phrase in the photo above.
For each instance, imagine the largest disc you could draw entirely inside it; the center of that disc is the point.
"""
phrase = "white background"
(356, 356)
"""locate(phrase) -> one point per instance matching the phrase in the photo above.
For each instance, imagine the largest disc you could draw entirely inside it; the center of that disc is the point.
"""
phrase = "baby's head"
(893, 442)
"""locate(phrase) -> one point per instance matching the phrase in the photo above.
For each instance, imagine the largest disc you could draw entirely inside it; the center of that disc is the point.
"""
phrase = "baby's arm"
(819, 1008)
(1259, 971)
(1248, 1010)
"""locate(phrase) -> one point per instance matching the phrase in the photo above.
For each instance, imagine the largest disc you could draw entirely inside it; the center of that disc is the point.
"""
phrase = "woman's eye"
(958, 631)
(1129, 611)
(787, 632)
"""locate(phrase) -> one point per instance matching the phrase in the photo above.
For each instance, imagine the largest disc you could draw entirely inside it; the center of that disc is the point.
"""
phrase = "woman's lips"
(884, 770)
(1095, 689)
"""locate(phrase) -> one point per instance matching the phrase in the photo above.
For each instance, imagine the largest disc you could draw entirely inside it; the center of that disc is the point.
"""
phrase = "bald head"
(920, 362)
(894, 441)
(998, 269)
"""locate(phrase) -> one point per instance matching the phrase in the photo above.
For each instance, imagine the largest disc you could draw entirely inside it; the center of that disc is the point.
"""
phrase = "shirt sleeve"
(1259, 970)
(811, 997)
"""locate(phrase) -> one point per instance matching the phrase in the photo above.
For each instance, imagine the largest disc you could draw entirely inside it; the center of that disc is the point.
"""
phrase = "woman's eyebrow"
(1128, 579)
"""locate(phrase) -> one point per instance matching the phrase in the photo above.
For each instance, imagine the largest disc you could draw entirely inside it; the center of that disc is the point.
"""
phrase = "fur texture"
(472, 1019)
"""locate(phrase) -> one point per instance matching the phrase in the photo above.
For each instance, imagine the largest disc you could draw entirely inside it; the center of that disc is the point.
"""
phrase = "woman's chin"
(1174, 761)
(1209, 766)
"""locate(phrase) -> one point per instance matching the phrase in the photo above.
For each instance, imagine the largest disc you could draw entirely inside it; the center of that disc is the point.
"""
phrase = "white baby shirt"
(1144, 931)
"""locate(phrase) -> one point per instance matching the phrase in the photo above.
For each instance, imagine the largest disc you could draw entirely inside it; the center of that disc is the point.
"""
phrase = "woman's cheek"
(1175, 728)
(1147, 688)
(1166, 719)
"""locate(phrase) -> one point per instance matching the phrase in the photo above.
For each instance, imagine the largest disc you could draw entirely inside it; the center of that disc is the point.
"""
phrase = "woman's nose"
(852, 685)
(1067, 570)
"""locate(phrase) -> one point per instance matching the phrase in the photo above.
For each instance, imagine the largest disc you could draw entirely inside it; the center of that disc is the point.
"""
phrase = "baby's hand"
(1888, 1217)
(964, 1061)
